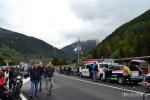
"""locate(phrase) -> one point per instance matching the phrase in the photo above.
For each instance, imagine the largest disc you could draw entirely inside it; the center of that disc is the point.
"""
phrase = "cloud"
(61, 22)
(106, 15)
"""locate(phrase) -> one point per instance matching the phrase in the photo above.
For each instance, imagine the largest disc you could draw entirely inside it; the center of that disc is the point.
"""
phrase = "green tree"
(55, 61)
(2, 62)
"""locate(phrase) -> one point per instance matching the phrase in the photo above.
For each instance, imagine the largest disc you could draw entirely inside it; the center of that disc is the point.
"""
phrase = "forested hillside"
(18, 46)
(131, 39)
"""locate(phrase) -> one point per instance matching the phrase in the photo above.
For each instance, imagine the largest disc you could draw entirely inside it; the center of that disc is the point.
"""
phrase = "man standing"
(11, 77)
(41, 74)
(49, 78)
(94, 70)
(34, 77)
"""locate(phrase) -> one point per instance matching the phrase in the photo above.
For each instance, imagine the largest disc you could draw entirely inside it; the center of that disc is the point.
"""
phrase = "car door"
(102, 69)
(109, 71)
(85, 71)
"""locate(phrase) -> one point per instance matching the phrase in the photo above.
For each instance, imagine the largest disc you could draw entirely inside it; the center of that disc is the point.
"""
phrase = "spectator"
(49, 78)
(41, 69)
(34, 77)
(95, 70)
(11, 77)
(3, 91)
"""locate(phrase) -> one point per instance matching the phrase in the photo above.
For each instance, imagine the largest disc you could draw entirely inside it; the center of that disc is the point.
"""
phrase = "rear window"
(134, 68)
(137, 64)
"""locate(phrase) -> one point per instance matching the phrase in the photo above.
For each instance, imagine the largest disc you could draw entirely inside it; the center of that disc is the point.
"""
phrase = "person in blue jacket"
(95, 70)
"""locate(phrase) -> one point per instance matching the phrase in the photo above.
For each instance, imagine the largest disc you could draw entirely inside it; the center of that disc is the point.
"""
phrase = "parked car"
(142, 64)
(86, 70)
(75, 70)
(119, 72)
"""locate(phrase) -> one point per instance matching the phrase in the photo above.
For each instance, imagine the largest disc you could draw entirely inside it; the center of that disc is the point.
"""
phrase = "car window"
(88, 66)
(110, 67)
(115, 67)
(82, 67)
(147, 78)
(103, 65)
(134, 68)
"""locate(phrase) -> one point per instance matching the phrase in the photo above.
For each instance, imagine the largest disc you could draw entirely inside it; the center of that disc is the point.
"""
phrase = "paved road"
(74, 88)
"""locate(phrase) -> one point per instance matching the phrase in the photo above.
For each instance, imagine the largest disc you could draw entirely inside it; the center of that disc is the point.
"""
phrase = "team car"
(120, 72)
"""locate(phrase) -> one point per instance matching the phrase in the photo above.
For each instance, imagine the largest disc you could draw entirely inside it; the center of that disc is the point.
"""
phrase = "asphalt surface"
(75, 88)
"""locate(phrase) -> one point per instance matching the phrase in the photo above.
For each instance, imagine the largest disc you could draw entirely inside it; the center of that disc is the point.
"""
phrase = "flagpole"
(78, 51)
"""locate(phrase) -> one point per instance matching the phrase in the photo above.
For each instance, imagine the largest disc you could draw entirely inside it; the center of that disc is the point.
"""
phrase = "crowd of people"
(37, 72)
(7, 79)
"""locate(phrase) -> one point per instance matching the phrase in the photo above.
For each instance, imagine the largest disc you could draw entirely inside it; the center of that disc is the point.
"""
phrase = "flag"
(75, 50)
(78, 48)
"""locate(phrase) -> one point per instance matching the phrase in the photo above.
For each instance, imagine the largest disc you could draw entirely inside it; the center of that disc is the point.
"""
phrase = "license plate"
(134, 73)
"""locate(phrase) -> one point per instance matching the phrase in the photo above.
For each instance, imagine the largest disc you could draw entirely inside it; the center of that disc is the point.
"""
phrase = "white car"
(84, 71)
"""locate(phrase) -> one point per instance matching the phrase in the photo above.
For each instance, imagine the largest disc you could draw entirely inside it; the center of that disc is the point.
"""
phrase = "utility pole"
(78, 48)
(78, 56)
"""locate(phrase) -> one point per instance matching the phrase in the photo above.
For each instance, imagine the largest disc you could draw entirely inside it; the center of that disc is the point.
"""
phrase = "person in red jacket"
(4, 93)
(2, 81)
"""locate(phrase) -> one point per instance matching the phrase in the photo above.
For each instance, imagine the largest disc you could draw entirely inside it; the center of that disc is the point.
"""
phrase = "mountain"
(13, 44)
(129, 40)
(86, 46)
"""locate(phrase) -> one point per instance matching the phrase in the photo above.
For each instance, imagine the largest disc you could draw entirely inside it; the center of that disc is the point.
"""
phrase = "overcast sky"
(61, 22)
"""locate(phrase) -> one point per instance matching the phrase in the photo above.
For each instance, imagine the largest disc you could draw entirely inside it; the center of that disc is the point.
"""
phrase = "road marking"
(23, 97)
(104, 85)
(21, 94)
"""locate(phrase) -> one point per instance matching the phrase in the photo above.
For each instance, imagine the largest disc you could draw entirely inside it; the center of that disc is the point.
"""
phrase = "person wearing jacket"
(94, 71)
(4, 94)
(34, 77)
(11, 77)
(49, 73)
(41, 69)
